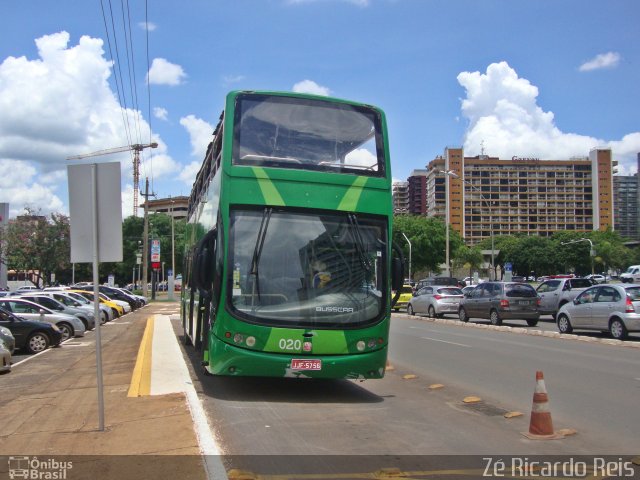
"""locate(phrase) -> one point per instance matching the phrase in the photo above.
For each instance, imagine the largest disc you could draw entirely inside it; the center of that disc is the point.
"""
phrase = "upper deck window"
(290, 132)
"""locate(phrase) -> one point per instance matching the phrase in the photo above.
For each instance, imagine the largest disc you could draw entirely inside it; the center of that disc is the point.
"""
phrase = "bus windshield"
(292, 269)
(309, 134)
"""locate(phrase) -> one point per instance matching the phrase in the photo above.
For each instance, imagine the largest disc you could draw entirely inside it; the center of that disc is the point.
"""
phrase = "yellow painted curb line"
(141, 378)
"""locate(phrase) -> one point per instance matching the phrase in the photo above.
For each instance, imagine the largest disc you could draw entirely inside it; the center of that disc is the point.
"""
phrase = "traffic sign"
(155, 265)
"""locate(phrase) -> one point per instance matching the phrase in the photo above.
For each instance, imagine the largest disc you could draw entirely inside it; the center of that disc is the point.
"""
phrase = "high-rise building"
(417, 192)
(400, 197)
(521, 195)
(626, 191)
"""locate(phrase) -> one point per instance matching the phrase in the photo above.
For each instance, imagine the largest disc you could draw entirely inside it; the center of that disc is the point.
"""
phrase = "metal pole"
(96, 297)
(446, 196)
(145, 248)
(405, 237)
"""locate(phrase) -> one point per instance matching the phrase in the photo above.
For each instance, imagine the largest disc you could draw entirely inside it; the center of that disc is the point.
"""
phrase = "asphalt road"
(593, 387)
(401, 415)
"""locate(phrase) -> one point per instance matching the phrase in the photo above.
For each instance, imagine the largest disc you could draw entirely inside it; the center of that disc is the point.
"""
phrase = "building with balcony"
(625, 201)
(172, 206)
(400, 198)
(520, 195)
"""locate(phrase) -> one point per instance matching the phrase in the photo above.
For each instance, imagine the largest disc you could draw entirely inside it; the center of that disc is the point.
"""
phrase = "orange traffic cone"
(541, 426)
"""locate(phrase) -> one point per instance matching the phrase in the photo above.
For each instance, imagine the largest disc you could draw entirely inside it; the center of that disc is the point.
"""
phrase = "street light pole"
(405, 237)
(592, 252)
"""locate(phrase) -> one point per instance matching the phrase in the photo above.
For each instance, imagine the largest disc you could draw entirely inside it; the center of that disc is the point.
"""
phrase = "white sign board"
(108, 208)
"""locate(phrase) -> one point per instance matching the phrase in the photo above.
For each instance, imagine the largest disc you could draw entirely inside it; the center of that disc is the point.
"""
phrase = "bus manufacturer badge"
(306, 346)
(306, 364)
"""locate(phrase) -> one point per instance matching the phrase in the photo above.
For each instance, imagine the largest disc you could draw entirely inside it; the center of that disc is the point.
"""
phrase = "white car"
(69, 325)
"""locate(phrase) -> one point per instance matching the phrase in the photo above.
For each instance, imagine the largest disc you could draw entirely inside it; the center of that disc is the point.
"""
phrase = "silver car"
(69, 325)
(5, 358)
(46, 300)
(606, 308)
(435, 301)
(8, 339)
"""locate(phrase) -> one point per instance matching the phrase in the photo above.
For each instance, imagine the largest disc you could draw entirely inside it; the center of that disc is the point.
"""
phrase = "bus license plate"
(306, 364)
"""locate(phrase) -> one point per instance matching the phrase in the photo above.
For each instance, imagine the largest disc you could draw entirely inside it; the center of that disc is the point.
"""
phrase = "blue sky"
(550, 79)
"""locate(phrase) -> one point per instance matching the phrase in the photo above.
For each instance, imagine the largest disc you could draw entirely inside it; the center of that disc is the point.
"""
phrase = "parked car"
(406, 292)
(444, 281)
(46, 299)
(117, 308)
(115, 294)
(612, 308)
(27, 288)
(34, 337)
(468, 289)
(555, 292)
(69, 325)
(500, 301)
(8, 339)
(106, 313)
(435, 301)
(596, 278)
(5, 359)
(631, 275)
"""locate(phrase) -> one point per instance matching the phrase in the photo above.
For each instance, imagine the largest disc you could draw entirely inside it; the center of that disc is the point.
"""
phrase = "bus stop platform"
(49, 408)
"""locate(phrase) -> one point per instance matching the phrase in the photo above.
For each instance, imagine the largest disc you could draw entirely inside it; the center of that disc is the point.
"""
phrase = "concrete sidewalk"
(49, 407)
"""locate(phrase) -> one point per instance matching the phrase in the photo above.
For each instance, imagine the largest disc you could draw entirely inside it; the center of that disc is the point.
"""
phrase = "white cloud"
(362, 157)
(71, 110)
(309, 86)
(603, 60)
(161, 113)
(163, 72)
(503, 114)
(200, 133)
(188, 173)
(150, 26)
(231, 79)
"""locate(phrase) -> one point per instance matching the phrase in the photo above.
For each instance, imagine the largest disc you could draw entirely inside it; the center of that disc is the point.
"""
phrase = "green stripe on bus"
(268, 189)
(350, 200)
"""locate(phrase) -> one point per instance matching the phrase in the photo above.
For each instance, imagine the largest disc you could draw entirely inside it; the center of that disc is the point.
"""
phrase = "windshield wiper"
(357, 236)
(257, 252)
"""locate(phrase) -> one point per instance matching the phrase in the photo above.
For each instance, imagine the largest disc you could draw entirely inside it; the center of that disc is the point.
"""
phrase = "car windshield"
(307, 134)
(406, 290)
(301, 269)
(519, 290)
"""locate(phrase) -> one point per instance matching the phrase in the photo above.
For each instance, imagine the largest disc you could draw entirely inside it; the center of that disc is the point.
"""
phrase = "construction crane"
(136, 148)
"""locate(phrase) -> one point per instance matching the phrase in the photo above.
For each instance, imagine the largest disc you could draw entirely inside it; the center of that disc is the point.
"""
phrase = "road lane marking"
(444, 341)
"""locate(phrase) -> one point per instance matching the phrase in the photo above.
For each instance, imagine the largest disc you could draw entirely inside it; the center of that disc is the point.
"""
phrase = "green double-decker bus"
(289, 263)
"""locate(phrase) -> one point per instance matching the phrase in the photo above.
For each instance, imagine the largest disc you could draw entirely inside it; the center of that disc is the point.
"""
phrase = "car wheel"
(66, 330)
(432, 312)
(495, 318)
(462, 315)
(37, 342)
(410, 310)
(104, 318)
(564, 325)
(617, 329)
(532, 323)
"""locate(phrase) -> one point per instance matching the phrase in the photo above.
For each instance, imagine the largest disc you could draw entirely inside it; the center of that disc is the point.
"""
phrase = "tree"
(470, 257)
(37, 244)
(428, 241)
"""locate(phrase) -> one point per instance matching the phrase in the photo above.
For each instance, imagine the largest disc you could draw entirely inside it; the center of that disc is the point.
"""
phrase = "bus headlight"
(251, 341)
(360, 345)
